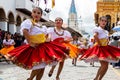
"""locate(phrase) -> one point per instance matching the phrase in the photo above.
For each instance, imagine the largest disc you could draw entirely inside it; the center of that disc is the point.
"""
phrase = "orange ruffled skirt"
(27, 57)
(5, 50)
(73, 50)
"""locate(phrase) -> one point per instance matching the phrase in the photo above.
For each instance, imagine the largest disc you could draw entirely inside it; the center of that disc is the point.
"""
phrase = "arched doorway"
(18, 23)
(108, 26)
(96, 18)
(11, 23)
(3, 21)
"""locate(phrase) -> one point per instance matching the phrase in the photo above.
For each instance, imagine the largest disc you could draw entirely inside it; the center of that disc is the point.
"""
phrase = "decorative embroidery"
(58, 33)
(35, 24)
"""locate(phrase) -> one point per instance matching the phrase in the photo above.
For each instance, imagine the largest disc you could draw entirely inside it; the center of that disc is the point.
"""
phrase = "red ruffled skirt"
(82, 51)
(26, 56)
(106, 53)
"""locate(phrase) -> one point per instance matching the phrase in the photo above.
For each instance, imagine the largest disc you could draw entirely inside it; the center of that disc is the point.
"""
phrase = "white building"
(13, 12)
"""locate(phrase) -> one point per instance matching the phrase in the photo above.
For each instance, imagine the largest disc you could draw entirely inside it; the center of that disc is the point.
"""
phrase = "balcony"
(24, 6)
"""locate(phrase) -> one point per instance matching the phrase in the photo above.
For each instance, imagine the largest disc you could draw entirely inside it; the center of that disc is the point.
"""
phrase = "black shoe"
(50, 73)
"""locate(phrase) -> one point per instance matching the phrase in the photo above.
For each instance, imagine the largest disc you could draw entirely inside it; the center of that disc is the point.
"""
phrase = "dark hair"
(59, 18)
(103, 17)
(7, 36)
(39, 9)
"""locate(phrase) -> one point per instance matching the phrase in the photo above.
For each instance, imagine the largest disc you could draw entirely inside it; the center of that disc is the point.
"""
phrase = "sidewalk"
(83, 71)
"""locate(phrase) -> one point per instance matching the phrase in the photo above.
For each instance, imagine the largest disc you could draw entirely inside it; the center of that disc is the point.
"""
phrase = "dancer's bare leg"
(75, 61)
(102, 70)
(40, 74)
(33, 74)
(92, 63)
(51, 71)
(97, 76)
(72, 61)
(61, 64)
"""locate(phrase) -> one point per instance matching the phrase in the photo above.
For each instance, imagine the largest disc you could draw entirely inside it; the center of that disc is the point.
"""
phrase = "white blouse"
(9, 42)
(53, 34)
(101, 32)
(27, 24)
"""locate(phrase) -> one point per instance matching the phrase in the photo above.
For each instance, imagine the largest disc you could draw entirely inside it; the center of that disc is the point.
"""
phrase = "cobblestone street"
(83, 71)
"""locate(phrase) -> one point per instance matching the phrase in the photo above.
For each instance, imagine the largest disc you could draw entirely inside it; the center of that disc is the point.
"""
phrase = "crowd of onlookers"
(18, 38)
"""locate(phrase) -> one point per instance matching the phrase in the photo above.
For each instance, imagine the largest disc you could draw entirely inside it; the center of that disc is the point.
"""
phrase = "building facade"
(13, 12)
(73, 25)
(72, 20)
(110, 9)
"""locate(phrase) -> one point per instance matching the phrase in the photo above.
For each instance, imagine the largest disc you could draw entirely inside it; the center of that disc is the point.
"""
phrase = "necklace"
(58, 33)
(35, 23)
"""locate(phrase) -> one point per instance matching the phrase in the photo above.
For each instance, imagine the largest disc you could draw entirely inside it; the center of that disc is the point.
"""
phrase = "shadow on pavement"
(4, 65)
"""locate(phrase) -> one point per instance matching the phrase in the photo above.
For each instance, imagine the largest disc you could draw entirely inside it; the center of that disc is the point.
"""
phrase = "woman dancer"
(60, 35)
(37, 53)
(101, 52)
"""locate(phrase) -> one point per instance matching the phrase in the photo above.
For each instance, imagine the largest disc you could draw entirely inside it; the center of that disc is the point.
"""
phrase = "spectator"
(0, 38)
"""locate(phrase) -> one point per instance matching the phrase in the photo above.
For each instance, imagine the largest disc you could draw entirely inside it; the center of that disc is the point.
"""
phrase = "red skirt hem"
(26, 56)
(106, 53)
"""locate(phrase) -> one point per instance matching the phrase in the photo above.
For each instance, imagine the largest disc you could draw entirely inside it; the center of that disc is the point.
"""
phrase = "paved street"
(82, 71)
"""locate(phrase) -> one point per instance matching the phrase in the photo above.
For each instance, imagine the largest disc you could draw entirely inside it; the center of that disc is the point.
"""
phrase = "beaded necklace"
(58, 33)
(35, 24)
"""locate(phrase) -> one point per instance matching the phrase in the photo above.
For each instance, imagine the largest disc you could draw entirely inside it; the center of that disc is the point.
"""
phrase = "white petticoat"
(40, 66)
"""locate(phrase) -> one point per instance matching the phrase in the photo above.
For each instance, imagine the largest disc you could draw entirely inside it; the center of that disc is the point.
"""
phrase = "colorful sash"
(103, 42)
(39, 38)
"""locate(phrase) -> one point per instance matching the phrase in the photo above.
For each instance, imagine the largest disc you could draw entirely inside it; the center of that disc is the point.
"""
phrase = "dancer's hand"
(48, 40)
(33, 44)
(99, 44)
(67, 39)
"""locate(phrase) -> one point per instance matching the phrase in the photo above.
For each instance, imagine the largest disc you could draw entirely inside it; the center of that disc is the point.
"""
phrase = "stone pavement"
(83, 71)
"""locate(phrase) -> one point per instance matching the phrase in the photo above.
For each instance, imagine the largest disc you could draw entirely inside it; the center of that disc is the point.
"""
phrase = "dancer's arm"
(96, 38)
